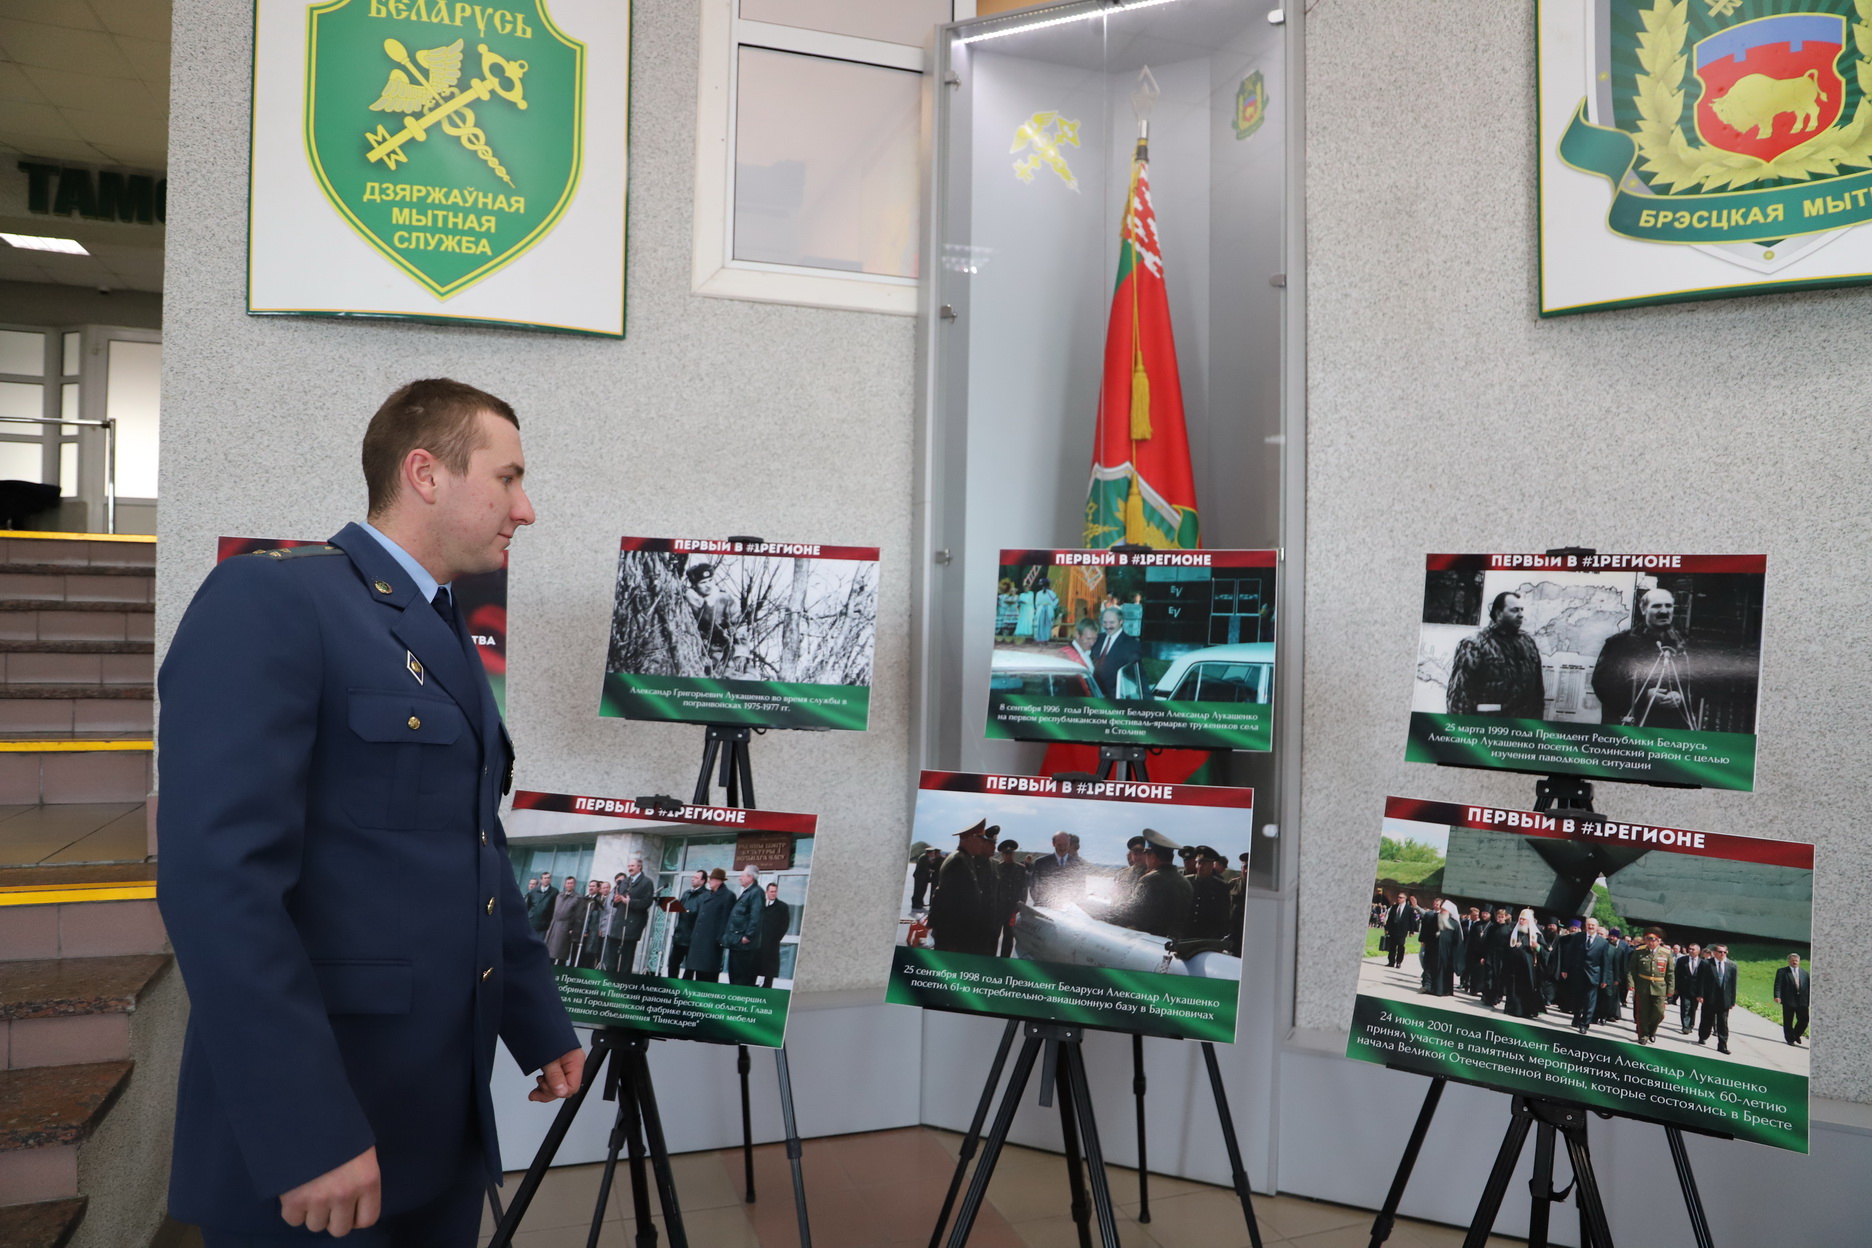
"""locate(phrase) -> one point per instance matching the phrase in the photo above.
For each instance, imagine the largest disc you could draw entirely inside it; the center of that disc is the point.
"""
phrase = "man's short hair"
(1495, 604)
(438, 415)
(1111, 611)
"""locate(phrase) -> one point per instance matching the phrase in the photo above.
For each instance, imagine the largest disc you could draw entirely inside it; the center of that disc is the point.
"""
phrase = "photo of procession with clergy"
(1123, 885)
(1678, 651)
(1707, 956)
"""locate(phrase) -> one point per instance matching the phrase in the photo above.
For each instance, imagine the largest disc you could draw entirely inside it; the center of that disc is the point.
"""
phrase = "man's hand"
(560, 1079)
(338, 1201)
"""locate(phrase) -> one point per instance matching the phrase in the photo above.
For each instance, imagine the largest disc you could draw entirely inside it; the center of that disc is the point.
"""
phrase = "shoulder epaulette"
(298, 552)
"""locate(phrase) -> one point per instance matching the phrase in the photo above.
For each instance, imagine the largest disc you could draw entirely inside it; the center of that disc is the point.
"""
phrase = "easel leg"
(973, 1138)
(1540, 1187)
(493, 1195)
(1137, 1091)
(1387, 1217)
(1593, 1226)
(1238, 1173)
(1074, 1060)
(630, 1116)
(1680, 1157)
(793, 1150)
(1061, 1086)
(711, 750)
(742, 1066)
(549, 1147)
(997, 1135)
(619, 1125)
(639, 1074)
(1501, 1175)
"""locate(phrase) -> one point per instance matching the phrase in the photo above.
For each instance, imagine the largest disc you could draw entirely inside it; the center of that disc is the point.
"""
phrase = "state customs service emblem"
(1250, 105)
(448, 134)
(1743, 127)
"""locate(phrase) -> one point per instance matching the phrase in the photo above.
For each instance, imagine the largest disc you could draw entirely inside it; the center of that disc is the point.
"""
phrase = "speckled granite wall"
(712, 417)
(1443, 415)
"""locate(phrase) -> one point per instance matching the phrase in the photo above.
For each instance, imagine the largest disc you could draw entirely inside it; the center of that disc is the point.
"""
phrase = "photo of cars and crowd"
(1073, 636)
(739, 610)
(672, 895)
(1668, 647)
(1139, 886)
(1640, 943)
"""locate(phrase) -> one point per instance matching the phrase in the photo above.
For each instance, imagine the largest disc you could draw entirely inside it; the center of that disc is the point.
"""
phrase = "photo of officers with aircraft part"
(1108, 903)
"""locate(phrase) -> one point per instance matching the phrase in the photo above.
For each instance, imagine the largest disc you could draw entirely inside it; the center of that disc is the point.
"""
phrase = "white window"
(809, 151)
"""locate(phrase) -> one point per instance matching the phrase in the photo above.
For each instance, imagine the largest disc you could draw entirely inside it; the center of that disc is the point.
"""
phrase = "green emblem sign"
(1250, 105)
(448, 134)
(1733, 121)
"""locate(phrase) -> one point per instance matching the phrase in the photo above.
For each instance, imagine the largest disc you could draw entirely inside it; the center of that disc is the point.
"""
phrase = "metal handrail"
(109, 426)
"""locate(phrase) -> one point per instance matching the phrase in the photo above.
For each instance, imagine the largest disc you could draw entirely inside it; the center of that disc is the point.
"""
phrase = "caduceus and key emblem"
(501, 79)
(426, 93)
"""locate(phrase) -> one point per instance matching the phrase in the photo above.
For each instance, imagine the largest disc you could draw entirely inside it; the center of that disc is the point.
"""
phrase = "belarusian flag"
(1141, 491)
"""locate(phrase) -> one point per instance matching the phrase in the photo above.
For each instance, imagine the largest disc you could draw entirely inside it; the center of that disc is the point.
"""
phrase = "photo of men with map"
(1625, 666)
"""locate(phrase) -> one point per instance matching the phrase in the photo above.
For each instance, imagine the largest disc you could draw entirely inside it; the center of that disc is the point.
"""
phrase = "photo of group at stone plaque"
(1624, 941)
(1120, 885)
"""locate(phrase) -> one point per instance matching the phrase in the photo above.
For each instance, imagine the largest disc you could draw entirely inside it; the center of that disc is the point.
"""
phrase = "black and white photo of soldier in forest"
(744, 617)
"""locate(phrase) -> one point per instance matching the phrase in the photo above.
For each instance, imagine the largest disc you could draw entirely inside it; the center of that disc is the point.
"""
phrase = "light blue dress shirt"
(425, 584)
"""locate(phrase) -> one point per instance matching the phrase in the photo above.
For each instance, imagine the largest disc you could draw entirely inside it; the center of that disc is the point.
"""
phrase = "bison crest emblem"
(1770, 85)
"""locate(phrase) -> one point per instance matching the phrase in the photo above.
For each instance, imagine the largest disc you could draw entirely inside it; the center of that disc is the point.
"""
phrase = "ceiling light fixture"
(38, 242)
(1059, 17)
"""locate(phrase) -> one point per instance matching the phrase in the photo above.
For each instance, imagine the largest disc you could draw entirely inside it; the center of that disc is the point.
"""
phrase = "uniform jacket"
(1496, 672)
(964, 908)
(335, 882)
(1651, 974)
(744, 921)
(1161, 904)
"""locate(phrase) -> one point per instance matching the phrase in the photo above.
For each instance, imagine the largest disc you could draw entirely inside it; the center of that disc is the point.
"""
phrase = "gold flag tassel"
(1140, 380)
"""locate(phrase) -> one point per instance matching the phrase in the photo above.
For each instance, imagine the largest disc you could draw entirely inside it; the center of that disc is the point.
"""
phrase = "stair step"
(50, 988)
(33, 692)
(30, 645)
(95, 910)
(14, 602)
(58, 1011)
(17, 567)
(50, 1106)
(72, 586)
(41, 1224)
(48, 716)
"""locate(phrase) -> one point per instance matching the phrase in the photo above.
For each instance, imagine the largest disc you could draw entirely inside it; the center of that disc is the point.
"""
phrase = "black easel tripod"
(636, 1126)
(1063, 1070)
(726, 747)
(1548, 1117)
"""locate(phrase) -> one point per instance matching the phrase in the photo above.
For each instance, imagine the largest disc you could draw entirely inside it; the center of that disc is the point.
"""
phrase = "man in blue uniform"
(328, 740)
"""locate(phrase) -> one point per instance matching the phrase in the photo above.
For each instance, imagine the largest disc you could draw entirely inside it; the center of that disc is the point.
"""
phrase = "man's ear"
(420, 470)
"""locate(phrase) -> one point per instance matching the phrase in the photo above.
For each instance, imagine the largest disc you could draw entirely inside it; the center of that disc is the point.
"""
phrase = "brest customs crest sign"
(451, 138)
(1694, 149)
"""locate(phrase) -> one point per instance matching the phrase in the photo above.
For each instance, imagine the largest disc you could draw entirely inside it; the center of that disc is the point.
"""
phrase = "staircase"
(91, 1010)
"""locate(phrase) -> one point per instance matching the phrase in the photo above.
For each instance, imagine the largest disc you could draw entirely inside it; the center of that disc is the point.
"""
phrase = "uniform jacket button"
(486, 973)
(490, 905)
(414, 723)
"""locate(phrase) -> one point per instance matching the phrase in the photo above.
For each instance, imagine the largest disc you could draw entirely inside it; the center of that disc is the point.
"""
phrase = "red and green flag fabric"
(1142, 491)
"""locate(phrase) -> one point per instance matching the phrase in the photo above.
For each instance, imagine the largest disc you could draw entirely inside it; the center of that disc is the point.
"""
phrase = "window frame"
(714, 270)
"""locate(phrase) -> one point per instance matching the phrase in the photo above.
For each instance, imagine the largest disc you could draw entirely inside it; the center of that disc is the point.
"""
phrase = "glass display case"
(1036, 118)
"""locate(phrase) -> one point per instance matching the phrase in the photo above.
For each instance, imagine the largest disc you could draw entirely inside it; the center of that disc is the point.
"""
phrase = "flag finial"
(1143, 99)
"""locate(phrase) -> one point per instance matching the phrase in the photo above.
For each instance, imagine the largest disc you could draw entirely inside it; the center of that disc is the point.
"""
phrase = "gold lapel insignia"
(415, 666)
(382, 587)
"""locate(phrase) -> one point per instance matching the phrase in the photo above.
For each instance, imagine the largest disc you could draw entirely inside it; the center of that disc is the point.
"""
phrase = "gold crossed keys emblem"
(432, 88)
